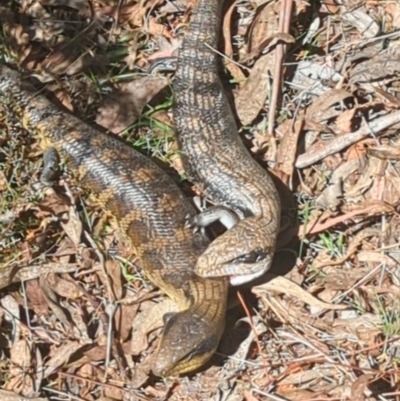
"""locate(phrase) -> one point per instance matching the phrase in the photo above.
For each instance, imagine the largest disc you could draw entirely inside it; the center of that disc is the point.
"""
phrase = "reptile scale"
(150, 209)
(216, 159)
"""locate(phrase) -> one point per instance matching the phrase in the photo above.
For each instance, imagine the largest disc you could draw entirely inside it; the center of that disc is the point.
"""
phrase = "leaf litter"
(83, 321)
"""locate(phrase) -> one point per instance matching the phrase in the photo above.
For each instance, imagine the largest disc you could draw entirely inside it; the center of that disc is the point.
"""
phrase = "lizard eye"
(257, 255)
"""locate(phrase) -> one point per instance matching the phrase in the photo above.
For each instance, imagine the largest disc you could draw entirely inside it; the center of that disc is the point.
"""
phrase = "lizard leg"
(51, 162)
(227, 217)
(164, 64)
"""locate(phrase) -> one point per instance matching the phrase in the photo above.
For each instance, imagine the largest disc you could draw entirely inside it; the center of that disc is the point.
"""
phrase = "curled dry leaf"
(52, 300)
(147, 321)
(332, 195)
(11, 396)
(359, 388)
(321, 109)
(363, 22)
(73, 226)
(283, 285)
(369, 209)
(288, 147)
(385, 152)
(237, 360)
(377, 126)
(309, 76)
(233, 68)
(61, 356)
(264, 25)
(393, 12)
(251, 97)
(123, 107)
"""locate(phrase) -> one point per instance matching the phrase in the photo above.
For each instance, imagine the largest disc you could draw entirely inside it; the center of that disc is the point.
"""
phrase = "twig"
(284, 27)
(378, 126)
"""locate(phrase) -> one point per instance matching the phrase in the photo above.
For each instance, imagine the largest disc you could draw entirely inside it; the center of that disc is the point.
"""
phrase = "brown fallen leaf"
(321, 109)
(250, 99)
(11, 396)
(385, 152)
(36, 299)
(61, 356)
(73, 226)
(232, 67)
(52, 300)
(288, 148)
(344, 122)
(393, 14)
(69, 62)
(332, 195)
(147, 321)
(370, 209)
(376, 257)
(264, 25)
(359, 386)
(20, 354)
(123, 107)
(62, 287)
(298, 394)
(283, 285)
(267, 44)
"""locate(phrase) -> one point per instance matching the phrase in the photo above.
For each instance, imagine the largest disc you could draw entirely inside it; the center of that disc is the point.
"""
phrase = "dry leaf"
(73, 226)
(124, 106)
(52, 300)
(283, 285)
(321, 109)
(11, 396)
(359, 387)
(250, 99)
(264, 25)
(61, 356)
(288, 147)
(147, 321)
(362, 21)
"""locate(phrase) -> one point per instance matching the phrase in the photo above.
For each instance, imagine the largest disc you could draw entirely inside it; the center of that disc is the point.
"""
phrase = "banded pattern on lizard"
(150, 209)
(216, 159)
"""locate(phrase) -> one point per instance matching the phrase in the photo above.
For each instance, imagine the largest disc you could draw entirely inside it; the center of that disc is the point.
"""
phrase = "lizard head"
(242, 253)
(188, 342)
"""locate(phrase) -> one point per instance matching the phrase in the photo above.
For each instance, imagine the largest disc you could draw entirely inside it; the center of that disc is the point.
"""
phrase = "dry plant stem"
(246, 309)
(284, 25)
(377, 126)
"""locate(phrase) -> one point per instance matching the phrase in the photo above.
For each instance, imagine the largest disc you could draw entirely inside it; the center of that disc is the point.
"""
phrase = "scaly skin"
(216, 159)
(150, 209)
